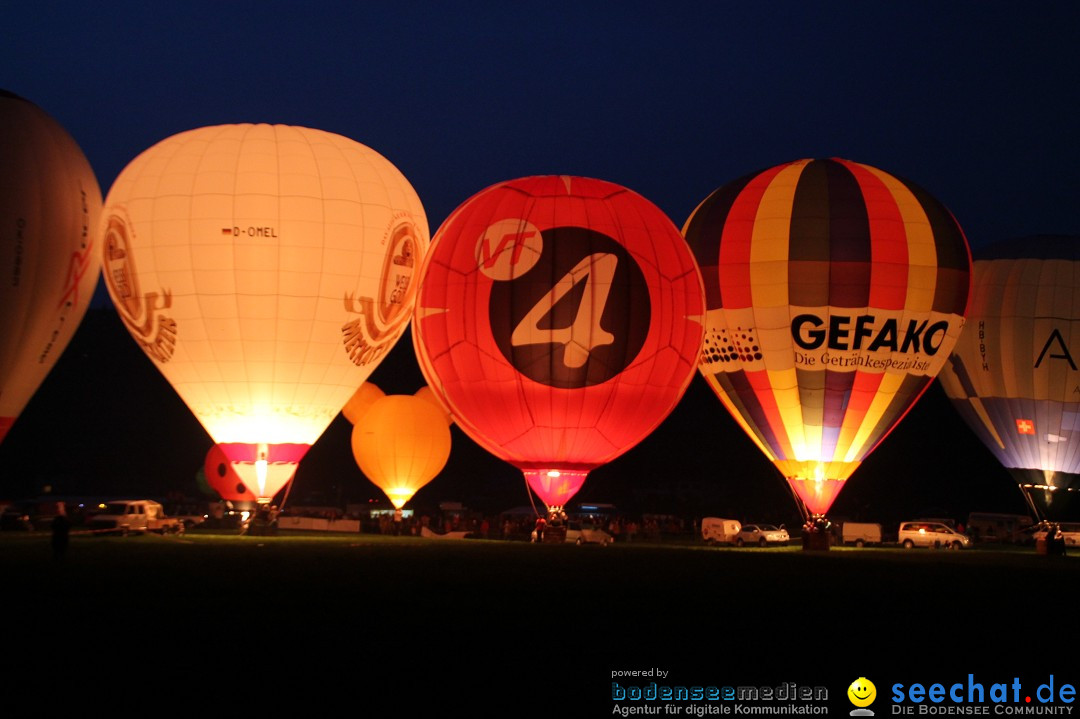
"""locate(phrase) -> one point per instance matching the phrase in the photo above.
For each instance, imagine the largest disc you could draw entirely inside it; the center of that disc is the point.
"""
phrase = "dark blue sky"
(975, 101)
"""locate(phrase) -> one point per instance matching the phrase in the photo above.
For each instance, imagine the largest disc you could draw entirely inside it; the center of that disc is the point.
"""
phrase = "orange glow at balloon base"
(817, 494)
(555, 486)
(264, 468)
(398, 496)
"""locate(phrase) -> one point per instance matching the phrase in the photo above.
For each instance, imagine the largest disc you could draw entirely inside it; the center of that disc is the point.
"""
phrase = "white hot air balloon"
(266, 270)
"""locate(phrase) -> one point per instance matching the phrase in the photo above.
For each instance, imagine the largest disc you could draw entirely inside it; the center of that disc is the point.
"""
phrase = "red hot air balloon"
(223, 479)
(835, 294)
(559, 320)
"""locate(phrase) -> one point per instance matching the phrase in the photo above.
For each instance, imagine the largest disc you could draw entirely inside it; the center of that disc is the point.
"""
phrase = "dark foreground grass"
(218, 615)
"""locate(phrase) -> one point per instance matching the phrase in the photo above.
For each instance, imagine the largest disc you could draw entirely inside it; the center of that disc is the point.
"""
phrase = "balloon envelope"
(428, 395)
(49, 256)
(223, 479)
(401, 444)
(360, 402)
(559, 319)
(835, 293)
(266, 271)
(1013, 376)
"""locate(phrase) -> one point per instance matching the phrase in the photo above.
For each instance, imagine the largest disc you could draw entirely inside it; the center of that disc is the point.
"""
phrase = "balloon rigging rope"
(288, 490)
(529, 491)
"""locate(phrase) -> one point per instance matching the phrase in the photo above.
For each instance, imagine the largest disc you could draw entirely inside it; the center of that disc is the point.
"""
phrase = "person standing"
(61, 532)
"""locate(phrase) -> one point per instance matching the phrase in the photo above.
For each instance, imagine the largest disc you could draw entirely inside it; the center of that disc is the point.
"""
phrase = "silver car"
(762, 535)
(587, 533)
(931, 534)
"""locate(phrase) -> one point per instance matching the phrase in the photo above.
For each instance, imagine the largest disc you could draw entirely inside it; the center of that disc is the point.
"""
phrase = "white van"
(720, 531)
(931, 534)
(860, 534)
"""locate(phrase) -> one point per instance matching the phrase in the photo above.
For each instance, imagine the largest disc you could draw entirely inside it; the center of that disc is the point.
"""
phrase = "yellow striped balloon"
(835, 293)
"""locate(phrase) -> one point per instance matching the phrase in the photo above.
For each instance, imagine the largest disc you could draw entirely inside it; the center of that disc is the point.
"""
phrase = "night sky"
(974, 101)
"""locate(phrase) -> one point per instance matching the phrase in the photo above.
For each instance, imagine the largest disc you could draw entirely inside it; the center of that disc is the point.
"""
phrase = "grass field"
(217, 614)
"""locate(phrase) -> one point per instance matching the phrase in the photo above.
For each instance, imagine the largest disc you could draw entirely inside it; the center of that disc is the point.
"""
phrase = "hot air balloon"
(401, 444)
(835, 292)
(223, 479)
(360, 402)
(266, 271)
(1013, 376)
(428, 395)
(559, 320)
(49, 257)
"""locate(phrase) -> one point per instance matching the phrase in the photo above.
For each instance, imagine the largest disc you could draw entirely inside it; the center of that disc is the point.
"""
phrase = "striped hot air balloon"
(835, 293)
(1014, 376)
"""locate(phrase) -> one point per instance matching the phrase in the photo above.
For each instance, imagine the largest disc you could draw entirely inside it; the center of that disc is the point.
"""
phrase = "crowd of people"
(520, 527)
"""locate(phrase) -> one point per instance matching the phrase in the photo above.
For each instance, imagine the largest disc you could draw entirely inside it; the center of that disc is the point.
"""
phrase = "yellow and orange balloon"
(401, 443)
(360, 402)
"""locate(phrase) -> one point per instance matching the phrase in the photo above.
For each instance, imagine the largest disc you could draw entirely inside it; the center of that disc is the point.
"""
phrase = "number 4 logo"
(585, 333)
(578, 317)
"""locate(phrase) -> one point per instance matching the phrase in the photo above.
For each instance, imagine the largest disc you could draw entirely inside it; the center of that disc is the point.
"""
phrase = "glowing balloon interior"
(266, 271)
(1013, 375)
(835, 293)
(559, 320)
(49, 257)
(401, 444)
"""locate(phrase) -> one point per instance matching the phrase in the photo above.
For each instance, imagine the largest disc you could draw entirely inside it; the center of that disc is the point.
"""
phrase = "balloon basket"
(1050, 547)
(815, 541)
(554, 535)
(263, 523)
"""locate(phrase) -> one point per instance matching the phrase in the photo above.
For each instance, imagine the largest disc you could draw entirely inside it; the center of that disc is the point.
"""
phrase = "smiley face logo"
(862, 692)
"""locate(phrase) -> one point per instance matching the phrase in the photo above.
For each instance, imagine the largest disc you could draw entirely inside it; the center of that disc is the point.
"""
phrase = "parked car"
(931, 534)
(30, 514)
(587, 533)
(761, 535)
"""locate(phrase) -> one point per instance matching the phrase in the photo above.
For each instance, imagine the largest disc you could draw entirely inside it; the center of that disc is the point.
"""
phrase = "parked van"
(922, 533)
(720, 531)
(860, 534)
